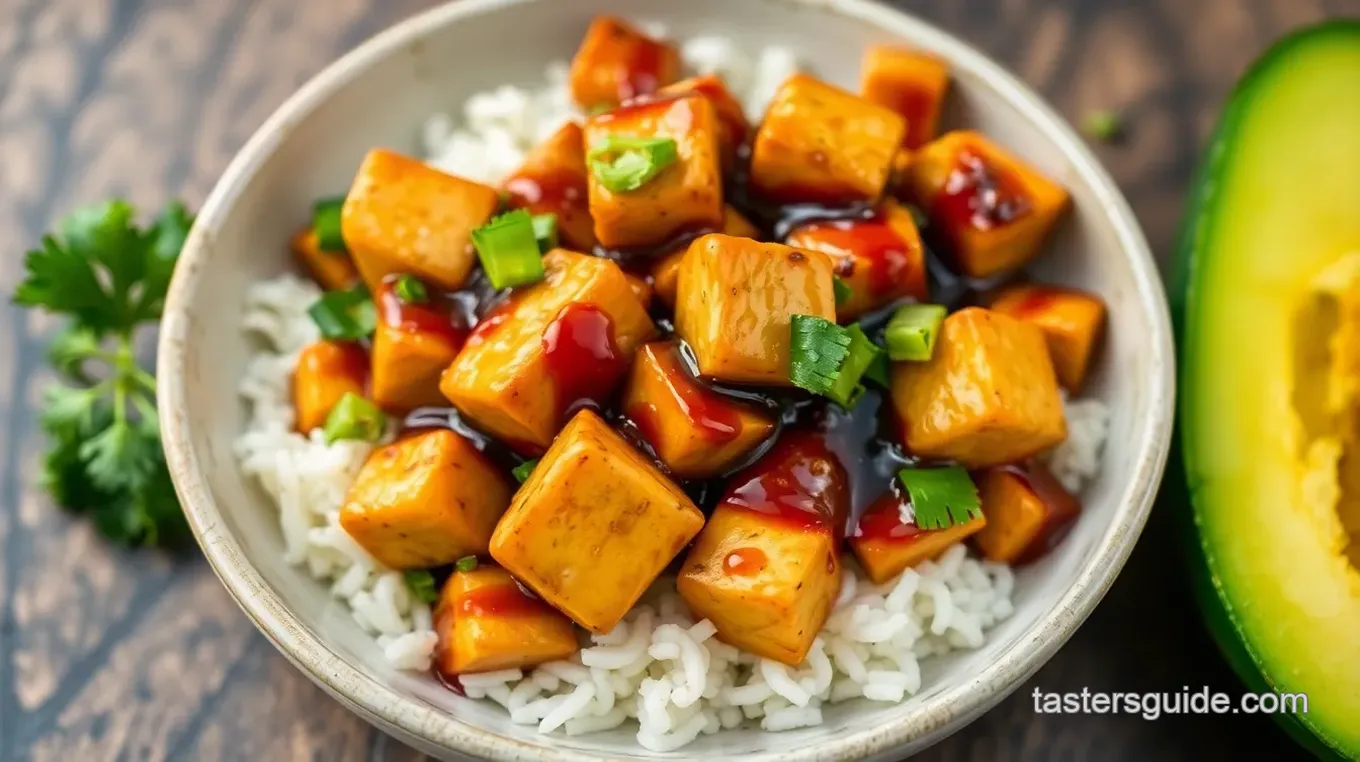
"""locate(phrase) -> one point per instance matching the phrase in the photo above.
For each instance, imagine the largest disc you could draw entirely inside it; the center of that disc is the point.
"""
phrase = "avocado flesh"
(1269, 316)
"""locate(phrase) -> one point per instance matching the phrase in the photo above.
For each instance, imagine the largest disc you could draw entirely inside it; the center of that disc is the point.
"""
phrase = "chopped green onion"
(508, 250)
(941, 497)
(878, 371)
(847, 388)
(1103, 125)
(829, 360)
(600, 108)
(326, 223)
(523, 470)
(410, 290)
(842, 289)
(465, 564)
(624, 163)
(346, 314)
(355, 417)
(918, 215)
(912, 331)
(421, 583)
(545, 230)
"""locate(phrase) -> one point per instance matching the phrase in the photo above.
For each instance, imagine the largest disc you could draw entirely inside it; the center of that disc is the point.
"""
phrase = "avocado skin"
(1178, 492)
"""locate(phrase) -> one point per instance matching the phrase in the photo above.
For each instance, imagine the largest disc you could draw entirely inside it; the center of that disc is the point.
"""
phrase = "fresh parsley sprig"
(109, 277)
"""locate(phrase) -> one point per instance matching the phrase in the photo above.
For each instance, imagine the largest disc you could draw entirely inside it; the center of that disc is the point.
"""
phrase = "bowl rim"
(411, 718)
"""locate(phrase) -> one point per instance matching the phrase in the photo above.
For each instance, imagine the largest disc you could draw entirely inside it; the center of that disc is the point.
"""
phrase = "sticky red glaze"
(490, 322)
(581, 355)
(979, 195)
(716, 418)
(499, 600)
(882, 521)
(558, 191)
(914, 103)
(800, 482)
(1037, 300)
(745, 562)
(873, 242)
(641, 74)
(352, 363)
(731, 121)
(426, 318)
(1061, 508)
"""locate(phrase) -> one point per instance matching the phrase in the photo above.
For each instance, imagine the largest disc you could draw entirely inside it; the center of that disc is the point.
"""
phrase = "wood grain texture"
(107, 655)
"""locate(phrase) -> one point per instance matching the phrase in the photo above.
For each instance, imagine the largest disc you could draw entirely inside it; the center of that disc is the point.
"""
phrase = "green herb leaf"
(326, 217)
(817, 349)
(422, 585)
(912, 331)
(842, 289)
(624, 163)
(466, 563)
(410, 290)
(847, 389)
(878, 371)
(509, 250)
(523, 470)
(941, 497)
(355, 417)
(1103, 125)
(345, 314)
(545, 230)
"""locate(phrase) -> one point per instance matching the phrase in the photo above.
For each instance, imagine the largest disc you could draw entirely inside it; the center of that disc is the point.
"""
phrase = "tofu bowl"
(565, 381)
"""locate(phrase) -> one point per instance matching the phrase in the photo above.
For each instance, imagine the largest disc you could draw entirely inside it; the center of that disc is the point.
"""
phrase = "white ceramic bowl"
(379, 95)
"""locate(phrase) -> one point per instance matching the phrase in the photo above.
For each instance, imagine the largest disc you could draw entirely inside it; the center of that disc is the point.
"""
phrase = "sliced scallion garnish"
(508, 250)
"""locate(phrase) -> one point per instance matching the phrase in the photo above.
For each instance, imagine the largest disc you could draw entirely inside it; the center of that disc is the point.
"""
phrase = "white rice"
(659, 668)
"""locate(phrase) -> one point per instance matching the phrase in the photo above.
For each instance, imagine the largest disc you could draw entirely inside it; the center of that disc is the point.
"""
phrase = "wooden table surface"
(112, 655)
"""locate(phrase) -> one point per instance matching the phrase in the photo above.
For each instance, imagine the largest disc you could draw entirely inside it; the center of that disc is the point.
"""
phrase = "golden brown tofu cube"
(616, 63)
(485, 622)
(695, 431)
(332, 270)
(886, 545)
(425, 500)
(1072, 322)
(641, 289)
(767, 567)
(819, 143)
(910, 82)
(404, 216)
(666, 270)
(880, 258)
(735, 301)
(685, 195)
(326, 371)
(553, 180)
(567, 338)
(412, 345)
(593, 525)
(986, 397)
(1028, 513)
(992, 210)
(733, 127)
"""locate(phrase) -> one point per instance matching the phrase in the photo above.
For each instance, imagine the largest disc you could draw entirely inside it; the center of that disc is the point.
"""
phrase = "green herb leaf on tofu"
(941, 497)
(356, 418)
(624, 163)
(508, 249)
(422, 585)
(523, 470)
(345, 314)
(410, 290)
(465, 564)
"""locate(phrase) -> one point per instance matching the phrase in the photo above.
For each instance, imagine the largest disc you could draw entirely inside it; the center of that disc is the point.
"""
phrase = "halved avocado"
(1266, 302)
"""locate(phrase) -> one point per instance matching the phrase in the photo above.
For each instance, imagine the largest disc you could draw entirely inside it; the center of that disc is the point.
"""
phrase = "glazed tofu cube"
(565, 339)
(332, 270)
(666, 270)
(887, 544)
(403, 216)
(641, 289)
(425, 500)
(593, 525)
(767, 568)
(553, 180)
(910, 82)
(412, 345)
(695, 431)
(992, 210)
(616, 63)
(485, 622)
(1028, 513)
(1072, 322)
(326, 371)
(685, 195)
(733, 127)
(819, 143)
(986, 397)
(735, 301)
(880, 258)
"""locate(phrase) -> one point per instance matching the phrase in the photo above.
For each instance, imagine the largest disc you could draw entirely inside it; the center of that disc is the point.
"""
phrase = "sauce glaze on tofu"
(622, 361)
